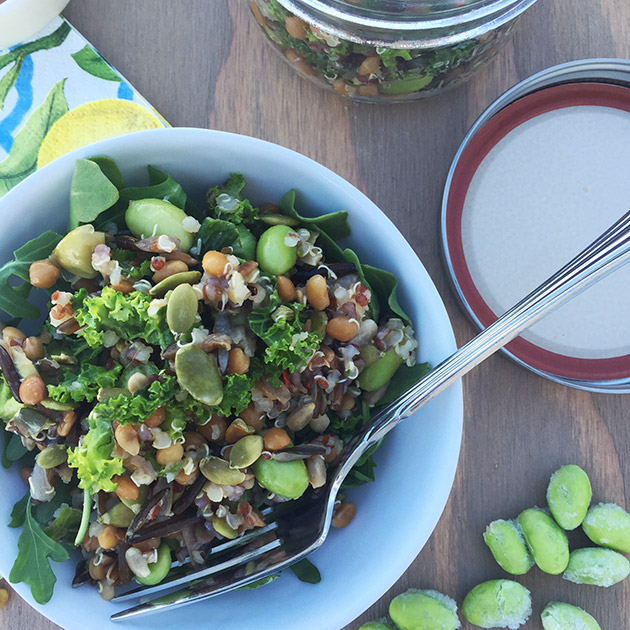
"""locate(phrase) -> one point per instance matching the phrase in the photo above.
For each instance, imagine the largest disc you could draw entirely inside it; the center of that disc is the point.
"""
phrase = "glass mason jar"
(387, 50)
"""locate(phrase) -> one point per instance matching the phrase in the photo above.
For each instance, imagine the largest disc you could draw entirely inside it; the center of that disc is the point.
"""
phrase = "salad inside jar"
(373, 73)
(196, 367)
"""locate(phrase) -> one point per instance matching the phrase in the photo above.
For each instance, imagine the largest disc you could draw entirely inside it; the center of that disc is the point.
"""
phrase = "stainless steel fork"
(297, 528)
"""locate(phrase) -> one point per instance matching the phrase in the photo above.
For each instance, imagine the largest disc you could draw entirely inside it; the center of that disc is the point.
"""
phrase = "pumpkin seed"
(319, 321)
(168, 284)
(278, 219)
(198, 375)
(52, 456)
(299, 418)
(55, 405)
(218, 471)
(246, 451)
(119, 516)
(181, 310)
(221, 526)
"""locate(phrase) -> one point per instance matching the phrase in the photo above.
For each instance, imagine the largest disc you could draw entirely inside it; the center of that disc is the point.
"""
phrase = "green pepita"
(119, 516)
(52, 456)
(181, 310)
(168, 284)
(55, 405)
(246, 451)
(198, 375)
(222, 527)
(218, 471)
(319, 321)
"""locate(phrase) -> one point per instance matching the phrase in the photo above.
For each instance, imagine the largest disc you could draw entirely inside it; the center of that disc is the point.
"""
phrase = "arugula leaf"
(14, 450)
(384, 284)
(162, 186)
(13, 298)
(216, 234)
(91, 193)
(32, 565)
(84, 385)
(18, 513)
(45, 512)
(363, 471)
(65, 526)
(374, 306)
(110, 170)
(127, 315)
(333, 224)
(404, 378)
(89, 60)
(92, 459)
(306, 571)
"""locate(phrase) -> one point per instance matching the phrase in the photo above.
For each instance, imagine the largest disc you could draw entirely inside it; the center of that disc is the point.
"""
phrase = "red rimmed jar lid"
(535, 184)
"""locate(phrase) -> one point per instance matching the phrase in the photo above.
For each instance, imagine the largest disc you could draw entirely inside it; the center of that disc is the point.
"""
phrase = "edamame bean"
(547, 543)
(568, 496)
(272, 253)
(561, 616)
(498, 604)
(156, 217)
(507, 544)
(286, 479)
(198, 374)
(424, 610)
(598, 566)
(380, 372)
(159, 569)
(181, 310)
(608, 525)
(74, 252)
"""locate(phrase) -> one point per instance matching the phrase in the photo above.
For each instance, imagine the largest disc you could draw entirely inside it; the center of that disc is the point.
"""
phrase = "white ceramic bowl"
(416, 464)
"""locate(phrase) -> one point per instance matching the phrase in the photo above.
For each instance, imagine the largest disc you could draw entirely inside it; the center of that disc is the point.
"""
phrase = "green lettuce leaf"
(289, 346)
(8, 405)
(93, 458)
(237, 395)
(83, 385)
(390, 56)
(126, 315)
(32, 565)
(226, 202)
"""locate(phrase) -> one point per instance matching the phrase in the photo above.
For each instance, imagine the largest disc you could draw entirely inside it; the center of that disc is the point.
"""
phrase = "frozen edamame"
(498, 604)
(286, 479)
(568, 496)
(424, 610)
(597, 565)
(561, 616)
(272, 253)
(156, 217)
(608, 525)
(547, 543)
(507, 544)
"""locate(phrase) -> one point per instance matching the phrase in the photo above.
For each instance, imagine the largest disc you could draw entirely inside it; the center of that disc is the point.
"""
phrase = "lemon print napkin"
(57, 94)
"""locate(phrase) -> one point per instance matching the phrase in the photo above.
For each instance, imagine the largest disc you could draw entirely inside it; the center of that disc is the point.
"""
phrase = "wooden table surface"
(204, 63)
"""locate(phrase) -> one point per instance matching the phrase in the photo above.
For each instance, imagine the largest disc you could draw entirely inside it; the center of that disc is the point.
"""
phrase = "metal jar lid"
(541, 173)
(407, 23)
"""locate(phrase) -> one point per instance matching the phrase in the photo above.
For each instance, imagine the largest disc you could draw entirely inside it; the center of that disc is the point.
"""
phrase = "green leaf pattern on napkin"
(89, 60)
(22, 159)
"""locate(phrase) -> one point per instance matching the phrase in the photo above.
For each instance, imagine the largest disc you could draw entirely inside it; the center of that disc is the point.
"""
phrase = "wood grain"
(204, 63)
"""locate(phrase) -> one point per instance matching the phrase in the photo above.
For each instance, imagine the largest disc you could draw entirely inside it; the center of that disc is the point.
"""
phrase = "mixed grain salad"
(366, 72)
(195, 367)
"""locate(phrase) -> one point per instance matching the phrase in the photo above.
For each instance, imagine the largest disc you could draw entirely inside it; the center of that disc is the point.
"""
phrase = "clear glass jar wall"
(415, 52)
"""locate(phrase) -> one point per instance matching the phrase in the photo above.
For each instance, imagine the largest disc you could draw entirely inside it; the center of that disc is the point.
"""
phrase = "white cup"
(21, 19)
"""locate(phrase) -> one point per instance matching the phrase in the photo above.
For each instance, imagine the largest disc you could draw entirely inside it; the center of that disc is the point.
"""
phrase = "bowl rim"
(398, 565)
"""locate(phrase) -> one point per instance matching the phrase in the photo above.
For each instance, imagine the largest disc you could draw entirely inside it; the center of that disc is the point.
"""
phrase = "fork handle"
(604, 255)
